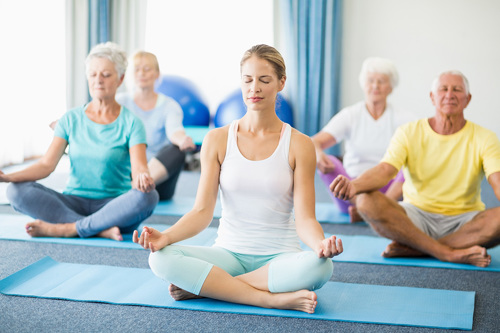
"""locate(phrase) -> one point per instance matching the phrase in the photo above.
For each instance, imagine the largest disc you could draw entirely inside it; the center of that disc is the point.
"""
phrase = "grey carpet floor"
(23, 314)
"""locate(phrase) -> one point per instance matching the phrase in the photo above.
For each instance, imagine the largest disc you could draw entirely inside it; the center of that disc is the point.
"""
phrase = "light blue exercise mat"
(368, 249)
(406, 306)
(326, 212)
(12, 228)
(357, 249)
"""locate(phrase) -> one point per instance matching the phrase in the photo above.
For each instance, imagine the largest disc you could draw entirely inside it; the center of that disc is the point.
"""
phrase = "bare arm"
(395, 191)
(42, 168)
(308, 228)
(370, 180)
(494, 180)
(212, 154)
(322, 141)
(141, 178)
(183, 141)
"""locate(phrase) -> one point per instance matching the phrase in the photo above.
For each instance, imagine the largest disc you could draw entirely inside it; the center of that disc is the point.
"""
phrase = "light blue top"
(99, 153)
(161, 122)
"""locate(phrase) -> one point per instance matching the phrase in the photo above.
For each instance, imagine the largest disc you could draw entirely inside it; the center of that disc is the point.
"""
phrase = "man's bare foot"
(474, 255)
(302, 300)
(179, 294)
(396, 249)
(39, 228)
(354, 215)
(111, 233)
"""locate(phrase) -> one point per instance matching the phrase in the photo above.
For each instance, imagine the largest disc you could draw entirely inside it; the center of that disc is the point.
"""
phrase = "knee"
(323, 270)
(162, 263)
(362, 202)
(17, 191)
(367, 204)
(314, 272)
(147, 200)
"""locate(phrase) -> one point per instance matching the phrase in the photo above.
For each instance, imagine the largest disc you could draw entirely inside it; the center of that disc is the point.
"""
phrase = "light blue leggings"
(187, 267)
(92, 216)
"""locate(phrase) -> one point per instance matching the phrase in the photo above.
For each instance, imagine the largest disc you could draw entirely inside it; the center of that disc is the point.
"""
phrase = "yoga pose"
(162, 116)
(445, 158)
(107, 151)
(265, 170)
(366, 129)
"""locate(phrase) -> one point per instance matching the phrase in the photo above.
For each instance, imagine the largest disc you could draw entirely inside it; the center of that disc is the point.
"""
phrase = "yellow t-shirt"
(443, 173)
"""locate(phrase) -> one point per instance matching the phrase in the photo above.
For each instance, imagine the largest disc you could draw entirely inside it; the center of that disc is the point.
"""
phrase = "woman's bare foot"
(179, 294)
(111, 233)
(39, 228)
(354, 215)
(474, 255)
(302, 300)
(396, 249)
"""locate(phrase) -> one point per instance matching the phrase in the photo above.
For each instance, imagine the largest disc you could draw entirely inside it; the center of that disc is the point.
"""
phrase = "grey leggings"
(92, 216)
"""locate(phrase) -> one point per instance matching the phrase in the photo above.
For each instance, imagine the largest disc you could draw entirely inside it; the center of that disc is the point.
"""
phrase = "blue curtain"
(312, 31)
(99, 22)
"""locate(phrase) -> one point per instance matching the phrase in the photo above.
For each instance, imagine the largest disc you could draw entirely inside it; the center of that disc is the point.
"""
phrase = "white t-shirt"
(365, 139)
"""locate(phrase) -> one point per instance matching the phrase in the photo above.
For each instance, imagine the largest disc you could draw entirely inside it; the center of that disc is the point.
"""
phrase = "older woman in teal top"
(109, 190)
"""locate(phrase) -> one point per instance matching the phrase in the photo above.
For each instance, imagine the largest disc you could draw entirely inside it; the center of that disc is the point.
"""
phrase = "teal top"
(99, 153)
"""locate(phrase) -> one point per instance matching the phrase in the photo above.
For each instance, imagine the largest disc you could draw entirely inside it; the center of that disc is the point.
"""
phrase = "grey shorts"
(436, 225)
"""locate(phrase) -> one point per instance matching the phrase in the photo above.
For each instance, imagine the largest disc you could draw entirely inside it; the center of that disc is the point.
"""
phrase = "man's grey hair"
(435, 82)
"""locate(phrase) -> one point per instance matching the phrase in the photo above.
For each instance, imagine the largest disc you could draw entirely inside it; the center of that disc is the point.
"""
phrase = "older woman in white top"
(366, 129)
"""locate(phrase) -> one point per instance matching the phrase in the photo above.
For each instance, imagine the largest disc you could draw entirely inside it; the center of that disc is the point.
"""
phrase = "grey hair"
(435, 82)
(381, 66)
(110, 51)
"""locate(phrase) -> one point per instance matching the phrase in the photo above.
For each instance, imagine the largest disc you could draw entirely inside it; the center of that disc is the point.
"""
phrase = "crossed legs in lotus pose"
(466, 245)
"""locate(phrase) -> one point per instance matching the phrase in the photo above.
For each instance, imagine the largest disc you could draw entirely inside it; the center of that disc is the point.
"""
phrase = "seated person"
(265, 170)
(366, 128)
(107, 151)
(162, 116)
(445, 158)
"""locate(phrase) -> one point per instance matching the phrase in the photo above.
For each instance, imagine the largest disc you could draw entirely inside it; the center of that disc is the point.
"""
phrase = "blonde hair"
(268, 53)
(141, 54)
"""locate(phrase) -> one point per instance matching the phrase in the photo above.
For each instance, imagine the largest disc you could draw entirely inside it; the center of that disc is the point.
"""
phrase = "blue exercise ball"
(185, 92)
(233, 108)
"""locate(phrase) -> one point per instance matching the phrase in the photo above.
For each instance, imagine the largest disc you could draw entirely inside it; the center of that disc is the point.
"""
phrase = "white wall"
(204, 41)
(423, 38)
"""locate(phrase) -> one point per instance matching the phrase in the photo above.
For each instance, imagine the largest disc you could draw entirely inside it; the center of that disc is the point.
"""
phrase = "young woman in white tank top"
(265, 170)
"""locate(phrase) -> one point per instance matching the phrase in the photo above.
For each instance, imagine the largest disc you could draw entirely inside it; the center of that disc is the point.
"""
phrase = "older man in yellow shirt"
(444, 159)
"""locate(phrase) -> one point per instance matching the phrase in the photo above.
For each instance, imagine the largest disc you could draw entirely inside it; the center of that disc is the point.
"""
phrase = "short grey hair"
(112, 52)
(380, 66)
(435, 82)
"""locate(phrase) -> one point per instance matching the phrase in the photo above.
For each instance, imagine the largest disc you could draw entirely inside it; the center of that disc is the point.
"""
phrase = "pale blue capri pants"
(187, 267)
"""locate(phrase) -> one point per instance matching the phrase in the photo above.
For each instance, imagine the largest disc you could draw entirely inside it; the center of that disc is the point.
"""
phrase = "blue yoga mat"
(407, 306)
(357, 249)
(12, 228)
(326, 212)
(368, 250)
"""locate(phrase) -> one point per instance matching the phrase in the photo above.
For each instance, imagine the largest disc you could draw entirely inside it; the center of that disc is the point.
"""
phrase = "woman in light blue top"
(107, 151)
(162, 116)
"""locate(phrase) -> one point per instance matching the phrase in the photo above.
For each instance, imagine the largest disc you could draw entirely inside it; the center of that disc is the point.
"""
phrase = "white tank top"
(257, 200)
